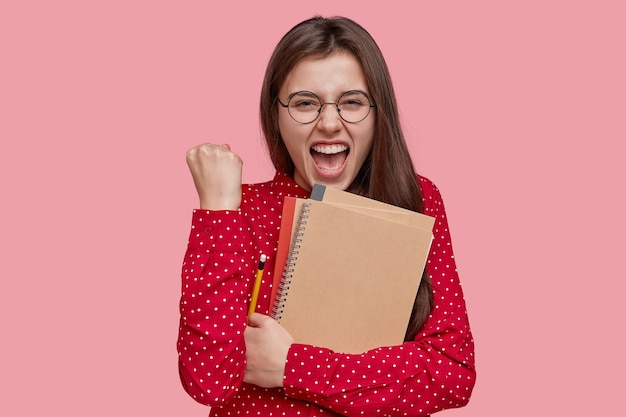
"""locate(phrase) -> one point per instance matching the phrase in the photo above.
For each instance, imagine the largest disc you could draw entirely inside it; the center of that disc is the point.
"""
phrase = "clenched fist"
(216, 172)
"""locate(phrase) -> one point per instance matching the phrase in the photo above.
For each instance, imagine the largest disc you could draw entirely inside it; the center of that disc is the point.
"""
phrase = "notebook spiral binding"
(292, 258)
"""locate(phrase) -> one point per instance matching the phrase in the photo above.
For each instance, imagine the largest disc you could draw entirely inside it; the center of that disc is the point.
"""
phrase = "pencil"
(257, 285)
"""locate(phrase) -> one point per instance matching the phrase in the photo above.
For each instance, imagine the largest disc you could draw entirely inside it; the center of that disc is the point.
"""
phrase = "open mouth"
(330, 159)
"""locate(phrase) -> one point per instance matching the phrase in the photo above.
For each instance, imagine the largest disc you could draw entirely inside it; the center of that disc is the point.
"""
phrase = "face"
(328, 151)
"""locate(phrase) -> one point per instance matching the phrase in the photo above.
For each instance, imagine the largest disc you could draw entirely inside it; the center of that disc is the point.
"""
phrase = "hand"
(267, 345)
(216, 172)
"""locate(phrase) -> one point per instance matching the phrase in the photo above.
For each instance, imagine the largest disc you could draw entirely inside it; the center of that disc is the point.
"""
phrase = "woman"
(329, 116)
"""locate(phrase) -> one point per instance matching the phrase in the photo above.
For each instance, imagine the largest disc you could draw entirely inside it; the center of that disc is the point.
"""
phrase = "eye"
(353, 100)
(351, 103)
(303, 103)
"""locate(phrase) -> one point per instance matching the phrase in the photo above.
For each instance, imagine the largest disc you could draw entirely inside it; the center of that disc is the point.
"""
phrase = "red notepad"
(284, 240)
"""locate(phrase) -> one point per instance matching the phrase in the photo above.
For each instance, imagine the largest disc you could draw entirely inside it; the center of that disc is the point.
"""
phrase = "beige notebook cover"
(372, 207)
(352, 276)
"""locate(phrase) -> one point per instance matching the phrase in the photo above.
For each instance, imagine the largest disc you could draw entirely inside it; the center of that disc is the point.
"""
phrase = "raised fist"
(216, 172)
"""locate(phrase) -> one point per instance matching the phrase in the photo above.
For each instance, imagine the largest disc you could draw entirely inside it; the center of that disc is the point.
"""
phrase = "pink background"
(515, 109)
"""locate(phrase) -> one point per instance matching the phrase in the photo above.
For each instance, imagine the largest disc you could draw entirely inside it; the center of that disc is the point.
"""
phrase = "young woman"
(329, 116)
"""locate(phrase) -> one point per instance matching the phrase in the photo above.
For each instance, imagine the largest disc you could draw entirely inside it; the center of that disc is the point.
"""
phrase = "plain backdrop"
(515, 109)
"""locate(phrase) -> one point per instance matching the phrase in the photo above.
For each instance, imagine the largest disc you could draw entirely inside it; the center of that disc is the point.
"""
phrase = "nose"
(329, 119)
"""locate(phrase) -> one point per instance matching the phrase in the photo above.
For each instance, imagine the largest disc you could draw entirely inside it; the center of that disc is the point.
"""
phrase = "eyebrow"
(304, 92)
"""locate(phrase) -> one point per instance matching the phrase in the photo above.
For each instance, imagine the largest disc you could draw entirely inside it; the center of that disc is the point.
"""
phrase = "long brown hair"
(387, 174)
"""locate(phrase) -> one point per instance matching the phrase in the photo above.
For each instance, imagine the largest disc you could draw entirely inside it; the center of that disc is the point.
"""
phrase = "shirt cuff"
(308, 371)
(224, 230)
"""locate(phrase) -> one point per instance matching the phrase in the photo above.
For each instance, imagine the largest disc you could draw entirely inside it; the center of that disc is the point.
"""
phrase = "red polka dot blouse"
(429, 374)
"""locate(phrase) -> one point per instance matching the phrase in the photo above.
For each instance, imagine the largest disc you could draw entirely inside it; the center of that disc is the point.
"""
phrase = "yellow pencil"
(257, 285)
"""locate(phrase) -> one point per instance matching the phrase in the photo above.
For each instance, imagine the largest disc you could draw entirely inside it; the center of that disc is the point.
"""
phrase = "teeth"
(330, 149)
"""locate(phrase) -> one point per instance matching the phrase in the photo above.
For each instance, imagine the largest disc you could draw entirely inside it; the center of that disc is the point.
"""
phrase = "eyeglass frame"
(319, 110)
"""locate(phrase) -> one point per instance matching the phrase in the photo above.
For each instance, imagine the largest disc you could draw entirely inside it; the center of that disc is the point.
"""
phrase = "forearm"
(213, 307)
(415, 379)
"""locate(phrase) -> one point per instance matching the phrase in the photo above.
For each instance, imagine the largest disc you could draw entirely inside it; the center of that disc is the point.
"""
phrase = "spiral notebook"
(352, 271)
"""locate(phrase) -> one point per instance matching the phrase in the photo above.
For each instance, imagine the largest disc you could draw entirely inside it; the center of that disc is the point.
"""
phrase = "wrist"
(220, 203)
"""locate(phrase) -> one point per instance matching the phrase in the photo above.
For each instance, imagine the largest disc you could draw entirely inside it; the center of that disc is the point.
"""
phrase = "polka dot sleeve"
(213, 306)
(433, 372)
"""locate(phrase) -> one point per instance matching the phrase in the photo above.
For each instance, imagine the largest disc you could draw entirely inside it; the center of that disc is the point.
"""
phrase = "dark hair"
(387, 174)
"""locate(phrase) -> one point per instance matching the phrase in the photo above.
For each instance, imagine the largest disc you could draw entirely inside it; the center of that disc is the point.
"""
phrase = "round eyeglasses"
(305, 107)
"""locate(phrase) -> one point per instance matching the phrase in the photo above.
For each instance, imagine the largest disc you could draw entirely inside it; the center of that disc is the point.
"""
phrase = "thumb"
(257, 320)
(226, 146)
